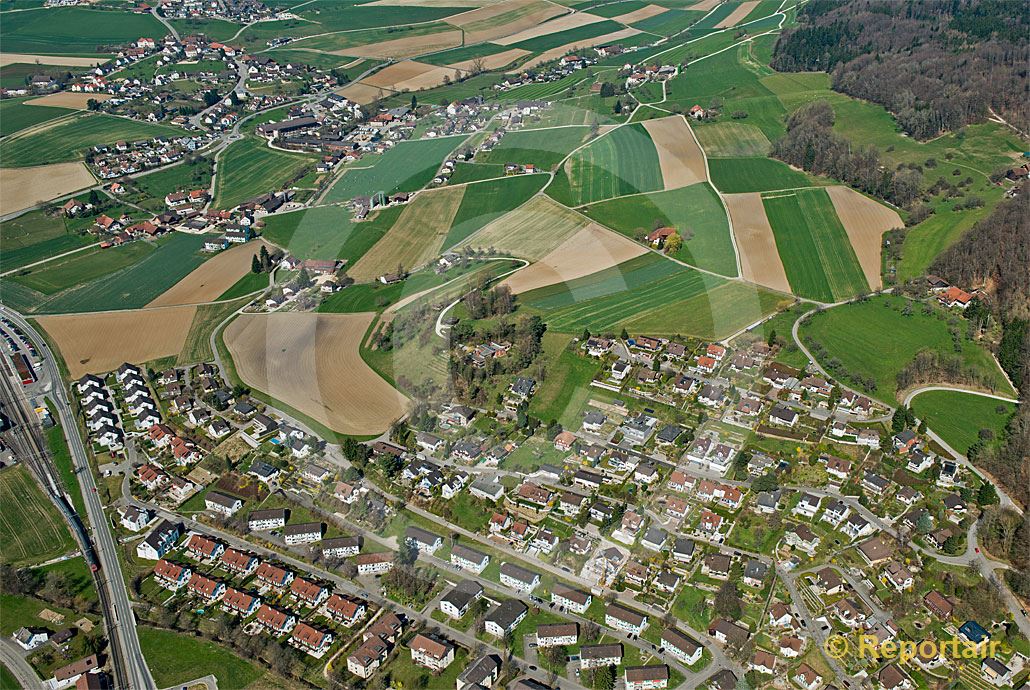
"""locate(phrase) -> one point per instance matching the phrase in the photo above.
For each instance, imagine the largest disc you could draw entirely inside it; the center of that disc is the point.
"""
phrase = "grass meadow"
(814, 247)
(542, 148)
(406, 167)
(81, 267)
(959, 417)
(328, 232)
(695, 211)
(34, 236)
(31, 528)
(569, 36)
(73, 30)
(16, 116)
(249, 168)
(735, 175)
(487, 201)
(874, 338)
(625, 161)
(174, 658)
(69, 139)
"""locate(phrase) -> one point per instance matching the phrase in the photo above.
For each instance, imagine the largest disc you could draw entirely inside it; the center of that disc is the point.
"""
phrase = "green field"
(732, 140)
(734, 175)
(567, 384)
(128, 288)
(341, 41)
(470, 52)
(81, 267)
(71, 30)
(68, 140)
(193, 174)
(331, 16)
(406, 167)
(249, 168)
(31, 528)
(475, 172)
(695, 211)
(625, 161)
(16, 116)
(214, 29)
(486, 201)
(614, 9)
(958, 417)
(669, 23)
(652, 295)
(197, 347)
(175, 659)
(35, 236)
(328, 232)
(62, 459)
(544, 148)
(569, 36)
(814, 247)
(875, 339)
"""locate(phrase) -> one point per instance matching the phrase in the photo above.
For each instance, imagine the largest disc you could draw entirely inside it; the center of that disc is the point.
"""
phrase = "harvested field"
(363, 93)
(590, 250)
(409, 75)
(100, 341)
(737, 15)
(569, 21)
(681, 158)
(22, 59)
(639, 15)
(495, 61)
(22, 188)
(705, 5)
(311, 362)
(865, 221)
(67, 99)
(415, 238)
(400, 48)
(759, 260)
(531, 231)
(505, 19)
(213, 277)
(555, 53)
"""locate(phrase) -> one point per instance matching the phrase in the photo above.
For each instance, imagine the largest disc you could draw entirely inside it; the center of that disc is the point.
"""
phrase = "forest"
(936, 65)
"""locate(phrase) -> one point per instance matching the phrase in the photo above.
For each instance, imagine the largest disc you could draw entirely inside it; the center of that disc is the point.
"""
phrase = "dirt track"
(865, 222)
(590, 250)
(208, 281)
(737, 15)
(100, 342)
(759, 259)
(22, 188)
(680, 157)
(311, 362)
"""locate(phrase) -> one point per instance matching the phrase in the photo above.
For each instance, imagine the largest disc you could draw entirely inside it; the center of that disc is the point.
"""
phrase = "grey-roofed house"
(654, 538)
(457, 601)
(505, 617)
(423, 540)
(469, 559)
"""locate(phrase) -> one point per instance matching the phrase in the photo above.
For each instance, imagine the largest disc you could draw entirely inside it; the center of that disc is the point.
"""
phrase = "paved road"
(11, 656)
(121, 620)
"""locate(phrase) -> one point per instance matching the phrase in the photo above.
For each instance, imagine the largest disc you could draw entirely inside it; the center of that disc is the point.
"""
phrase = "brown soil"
(759, 260)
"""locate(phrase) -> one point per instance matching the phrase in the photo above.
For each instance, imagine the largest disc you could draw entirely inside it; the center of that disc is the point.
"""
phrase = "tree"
(607, 90)
(304, 278)
(414, 102)
(767, 482)
(255, 264)
(266, 259)
(771, 340)
(727, 601)
(407, 554)
(624, 335)
(211, 97)
(673, 243)
(987, 495)
(617, 108)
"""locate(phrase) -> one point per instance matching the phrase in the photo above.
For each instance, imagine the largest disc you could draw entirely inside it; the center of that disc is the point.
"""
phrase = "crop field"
(582, 43)
(328, 18)
(544, 148)
(738, 175)
(208, 281)
(464, 54)
(668, 23)
(174, 658)
(197, 344)
(504, 19)
(695, 212)
(813, 245)
(409, 75)
(99, 342)
(759, 259)
(22, 188)
(406, 167)
(732, 140)
(81, 267)
(485, 202)
(651, 294)
(475, 172)
(394, 42)
(531, 231)
(865, 221)
(15, 115)
(31, 528)
(590, 250)
(328, 232)
(68, 139)
(34, 236)
(625, 161)
(681, 159)
(73, 30)
(875, 338)
(249, 168)
(558, 32)
(133, 286)
(415, 238)
(324, 377)
(737, 15)
(958, 417)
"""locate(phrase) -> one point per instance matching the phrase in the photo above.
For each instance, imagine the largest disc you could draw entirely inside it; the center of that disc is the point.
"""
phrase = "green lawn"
(544, 148)
(474, 172)
(252, 282)
(16, 116)
(328, 232)
(569, 36)
(874, 339)
(193, 174)
(62, 458)
(197, 347)
(469, 52)
(622, 162)
(486, 201)
(68, 140)
(695, 211)
(31, 528)
(407, 167)
(567, 385)
(669, 23)
(734, 175)
(732, 140)
(71, 30)
(7, 678)
(175, 658)
(81, 267)
(35, 236)
(817, 255)
(249, 168)
(959, 417)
